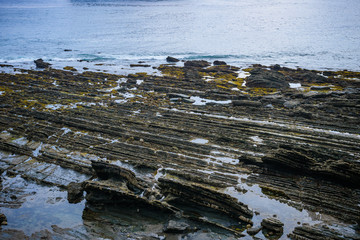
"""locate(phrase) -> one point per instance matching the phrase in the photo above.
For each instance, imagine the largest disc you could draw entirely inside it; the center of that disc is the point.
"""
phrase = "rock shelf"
(205, 150)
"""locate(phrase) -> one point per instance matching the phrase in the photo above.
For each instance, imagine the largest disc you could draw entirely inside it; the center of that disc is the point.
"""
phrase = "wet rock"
(273, 224)
(106, 171)
(320, 88)
(172, 59)
(197, 63)
(3, 219)
(263, 78)
(176, 227)
(254, 230)
(202, 196)
(216, 63)
(307, 232)
(75, 192)
(311, 161)
(41, 64)
(12, 234)
(246, 103)
(140, 65)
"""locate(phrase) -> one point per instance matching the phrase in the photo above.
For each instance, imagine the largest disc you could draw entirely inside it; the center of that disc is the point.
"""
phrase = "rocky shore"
(202, 151)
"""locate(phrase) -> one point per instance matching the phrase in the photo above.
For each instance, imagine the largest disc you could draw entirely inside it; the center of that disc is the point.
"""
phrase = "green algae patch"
(70, 68)
(273, 193)
(171, 71)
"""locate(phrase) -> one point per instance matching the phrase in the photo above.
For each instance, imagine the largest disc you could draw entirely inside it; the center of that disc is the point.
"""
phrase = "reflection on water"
(31, 207)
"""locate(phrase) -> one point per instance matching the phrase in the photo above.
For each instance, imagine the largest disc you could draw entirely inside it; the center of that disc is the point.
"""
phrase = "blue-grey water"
(315, 34)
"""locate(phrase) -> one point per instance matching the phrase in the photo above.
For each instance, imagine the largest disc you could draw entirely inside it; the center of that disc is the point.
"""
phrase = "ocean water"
(314, 34)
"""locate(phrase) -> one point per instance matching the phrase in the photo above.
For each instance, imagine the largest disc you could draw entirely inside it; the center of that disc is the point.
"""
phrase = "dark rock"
(41, 64)
(106, 171)
(5, 106)
(172, 59)
(311, 77)
(266, 79)
(140, 65)
(197, 63)
(75, 192)
(273, 224)
(276, 67)
(302, 113)
(219, 63)
(254, 230)
(198, 195)
(320, 88)
(6, 65)
(3, 220)
(246, 103)
(176, 227)
(307, 232)
(319, 164)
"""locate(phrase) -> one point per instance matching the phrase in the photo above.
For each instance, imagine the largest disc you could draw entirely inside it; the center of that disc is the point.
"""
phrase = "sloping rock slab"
(266, 79)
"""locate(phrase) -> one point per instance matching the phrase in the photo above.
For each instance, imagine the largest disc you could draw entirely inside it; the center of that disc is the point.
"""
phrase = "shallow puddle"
(30, 207)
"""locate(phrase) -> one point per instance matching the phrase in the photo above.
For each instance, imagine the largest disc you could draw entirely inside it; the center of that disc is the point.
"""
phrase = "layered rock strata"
(235, 148)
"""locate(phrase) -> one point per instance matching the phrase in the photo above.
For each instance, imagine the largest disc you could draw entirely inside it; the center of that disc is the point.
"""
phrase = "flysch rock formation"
(200, 152)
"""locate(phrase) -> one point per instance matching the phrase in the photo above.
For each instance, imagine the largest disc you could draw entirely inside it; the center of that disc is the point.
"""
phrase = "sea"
(109, 35)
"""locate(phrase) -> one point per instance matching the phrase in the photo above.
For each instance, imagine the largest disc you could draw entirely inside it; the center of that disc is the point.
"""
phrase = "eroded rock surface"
(237, 147)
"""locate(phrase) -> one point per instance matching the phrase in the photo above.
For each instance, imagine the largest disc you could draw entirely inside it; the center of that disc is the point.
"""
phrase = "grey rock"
(272, 224)
(254, 230)
(189, 100)
(41, 64)
(247, 103)
(291, 104)
(176, 227)
(266, 79)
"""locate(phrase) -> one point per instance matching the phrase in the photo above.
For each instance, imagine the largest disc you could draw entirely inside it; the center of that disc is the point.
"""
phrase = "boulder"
(216, 63)
(41, 64)
(263, 78)
(254, 230)
(197, 63)
(172, 59)
(75, 192)
(3, 220)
